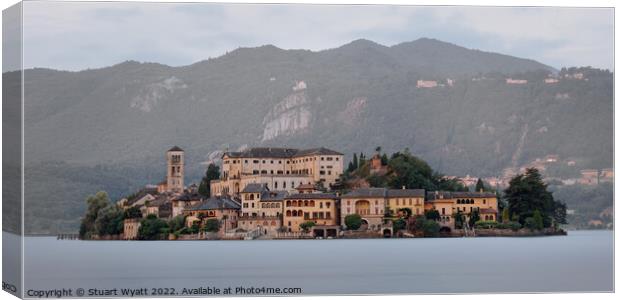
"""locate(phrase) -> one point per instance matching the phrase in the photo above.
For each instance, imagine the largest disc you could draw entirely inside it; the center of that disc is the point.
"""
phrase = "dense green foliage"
(177, 223)
(305, 226)
(405, 169)
(528, 197)
(432, 214)
(213, 172)
(133, 213)
(431, 228)
(153, 228)
(399, 224)
(101, 218)
(474, 217)
(212, 225)
(353, 222)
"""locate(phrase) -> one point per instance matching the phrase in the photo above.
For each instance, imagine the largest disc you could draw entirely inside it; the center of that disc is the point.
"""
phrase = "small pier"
(68, 236)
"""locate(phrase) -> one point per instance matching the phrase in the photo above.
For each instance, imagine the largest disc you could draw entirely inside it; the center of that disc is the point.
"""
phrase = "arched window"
(306, 203)
(294, 202)
(458, 201)
(288, 213)
(251, 196)
(275, 185)
(294, 213)
(288, 203)
(312, 203)
(300, 213)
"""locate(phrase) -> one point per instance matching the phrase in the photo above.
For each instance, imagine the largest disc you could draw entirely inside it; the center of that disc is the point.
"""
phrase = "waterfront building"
(130, 228)
(320, 208)
(180, 202)
(223, 209)
(449, 203)
(278, 168)
(372, 204)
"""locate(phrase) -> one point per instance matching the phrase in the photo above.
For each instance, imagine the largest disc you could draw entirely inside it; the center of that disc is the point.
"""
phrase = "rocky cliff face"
(151, 95)
(289, 117)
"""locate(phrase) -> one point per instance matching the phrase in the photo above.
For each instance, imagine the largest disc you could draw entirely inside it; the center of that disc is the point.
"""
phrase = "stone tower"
(176, 169)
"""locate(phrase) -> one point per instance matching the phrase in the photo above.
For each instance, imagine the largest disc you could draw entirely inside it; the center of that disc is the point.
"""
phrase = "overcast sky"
(76, 36)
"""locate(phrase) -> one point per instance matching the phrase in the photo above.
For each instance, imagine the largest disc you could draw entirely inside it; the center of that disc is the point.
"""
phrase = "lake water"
(581, 261)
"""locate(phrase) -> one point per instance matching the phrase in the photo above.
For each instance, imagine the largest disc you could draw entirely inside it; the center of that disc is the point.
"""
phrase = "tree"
(362, 160)
(431, 228)
(405, 211)
(505, 215)
(559, 214)
(355, 162)
(479, 185)
(177, 223)
(152, 228)
(212, 225)
(474, 217)
(353, 222)
(538, 219)
(133, 213)
(378, 149)
(109, 221)
(399, 224)
(384, 159)
(528, 193)
(305, 226)
(94, 204)
(432, 214)
(213, 172)
(458, 219)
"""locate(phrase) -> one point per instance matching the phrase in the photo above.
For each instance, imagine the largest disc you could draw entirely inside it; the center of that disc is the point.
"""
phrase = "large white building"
(277, 168)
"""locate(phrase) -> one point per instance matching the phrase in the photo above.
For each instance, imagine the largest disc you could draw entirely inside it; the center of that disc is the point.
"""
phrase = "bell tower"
(176, 169)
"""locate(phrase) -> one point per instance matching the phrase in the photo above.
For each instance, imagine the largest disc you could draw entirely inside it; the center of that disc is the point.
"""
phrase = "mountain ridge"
(113, 125)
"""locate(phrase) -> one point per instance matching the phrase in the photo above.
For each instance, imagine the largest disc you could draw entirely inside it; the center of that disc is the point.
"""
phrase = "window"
(263, 172)
(484, 201)
(443, 210)
(271, 171)
(329, 172)
(272, 161)
(275, 185)
(255, 172)
(322, 172)
(322, 158)
(320, 204)
(337, 158)
(246, 161)
(263, 161)
(256, 161)
(330, 158)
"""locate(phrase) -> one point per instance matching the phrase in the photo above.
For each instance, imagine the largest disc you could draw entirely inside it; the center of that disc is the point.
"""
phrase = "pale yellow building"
(223, 209)
(373, 203)
(261, 209)
(320, 208)
(279, 168)
(130, 229)
(449, 203)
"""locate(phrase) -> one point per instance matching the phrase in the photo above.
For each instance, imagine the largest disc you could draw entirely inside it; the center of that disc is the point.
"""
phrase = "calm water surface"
(581, 261)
